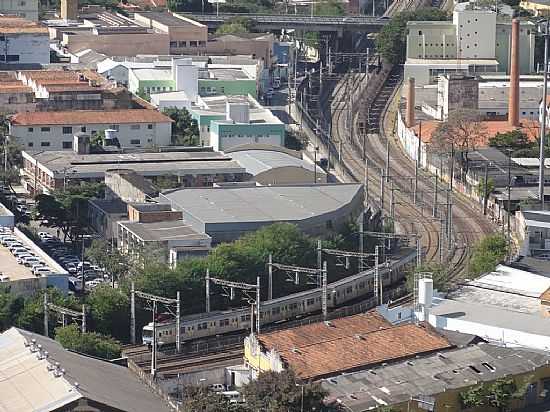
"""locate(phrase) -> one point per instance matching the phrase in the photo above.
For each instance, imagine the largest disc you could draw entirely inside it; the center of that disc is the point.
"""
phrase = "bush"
(90, 343)
(487, 254)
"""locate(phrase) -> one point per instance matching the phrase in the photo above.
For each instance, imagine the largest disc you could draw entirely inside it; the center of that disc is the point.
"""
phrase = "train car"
(280, 309)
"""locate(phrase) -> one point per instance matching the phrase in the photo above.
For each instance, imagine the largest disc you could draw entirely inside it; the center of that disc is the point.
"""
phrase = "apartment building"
(23, 41)
(184, 35)
(229, 121)
(55, 130)
(476, 41)
(27, 9)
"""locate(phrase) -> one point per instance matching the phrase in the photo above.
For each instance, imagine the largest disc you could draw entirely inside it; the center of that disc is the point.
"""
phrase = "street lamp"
(545, 32)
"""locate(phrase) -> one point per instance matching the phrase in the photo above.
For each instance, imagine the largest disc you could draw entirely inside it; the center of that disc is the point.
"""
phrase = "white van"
(233, 396)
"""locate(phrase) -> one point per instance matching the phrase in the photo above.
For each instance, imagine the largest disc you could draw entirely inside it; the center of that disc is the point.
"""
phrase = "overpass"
(266, 22)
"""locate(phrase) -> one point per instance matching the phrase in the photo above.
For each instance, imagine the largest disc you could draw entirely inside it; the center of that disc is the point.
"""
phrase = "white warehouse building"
(55, 130)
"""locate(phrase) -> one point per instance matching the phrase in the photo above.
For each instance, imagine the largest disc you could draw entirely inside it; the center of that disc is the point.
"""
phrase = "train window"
(202, 326)
(224, 322)
(310, 301)
(361, 285)
(275, 311)
(337, 293)
(160, 334)
(349, 289)
(293, 306)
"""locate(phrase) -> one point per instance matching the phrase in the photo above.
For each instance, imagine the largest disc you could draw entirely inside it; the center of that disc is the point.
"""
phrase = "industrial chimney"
(410, 120)
(513, 98)
(69, 9)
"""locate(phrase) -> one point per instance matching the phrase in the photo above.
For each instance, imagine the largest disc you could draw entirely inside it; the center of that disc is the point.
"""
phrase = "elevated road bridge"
(263, 22)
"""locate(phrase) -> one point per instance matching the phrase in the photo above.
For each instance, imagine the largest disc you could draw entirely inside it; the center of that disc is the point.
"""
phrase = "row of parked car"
(77, 268)
(23, 253)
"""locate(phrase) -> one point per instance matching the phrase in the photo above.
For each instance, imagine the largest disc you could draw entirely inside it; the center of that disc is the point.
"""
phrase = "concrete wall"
(54, 139)
(210, 87)
(526, 47)
(260, 48)
(119, 187)
(26, 48)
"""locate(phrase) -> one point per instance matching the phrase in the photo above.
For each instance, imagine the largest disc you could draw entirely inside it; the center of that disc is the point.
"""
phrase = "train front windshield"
(147, 336)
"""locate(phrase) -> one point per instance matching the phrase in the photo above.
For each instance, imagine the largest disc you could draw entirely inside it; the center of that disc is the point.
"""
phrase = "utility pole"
(207, 288)
(450, 221)
(434, 209)
(270, 277)
(388, 160)
(376, 274)
(366, 181)
(132, 314)
(486, 189)
(392, 206)
(417, 163)
(543, 117)
(361, 240)
(154, 348)
(46, 314)
(418, 252)
(382, 181)
(324, 291)
(509, 234)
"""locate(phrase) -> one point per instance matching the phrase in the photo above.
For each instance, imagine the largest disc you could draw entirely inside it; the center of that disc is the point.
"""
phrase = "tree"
(485, 190)
(90, 343)
(235, 25)
(461, 133)
(391, 40)
(198, 398)
(439, 275)
(515, 139)
(275, 391)
(67, 209)
(10, 306)
(329, 8)
(487, 254)
(185, 130)
(189, 5)
(110, 311)
(498, 394)
(108, 257)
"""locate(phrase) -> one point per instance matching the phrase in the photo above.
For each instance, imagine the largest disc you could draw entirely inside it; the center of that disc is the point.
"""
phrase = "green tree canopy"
(515, 139)
(189, 5)
(391, 42)
(67, 209)
(235, 25)
(487, 254)
(110, 311)
(90, 343)
(274, 391)
(198, 398)
(329, 8)
(185, 130)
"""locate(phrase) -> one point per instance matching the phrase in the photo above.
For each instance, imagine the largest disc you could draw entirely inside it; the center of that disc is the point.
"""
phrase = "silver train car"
(213, 323)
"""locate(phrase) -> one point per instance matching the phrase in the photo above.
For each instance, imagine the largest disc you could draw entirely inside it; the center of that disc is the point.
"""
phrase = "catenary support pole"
(270, 277)
(178, 322)
(207, 290)
(83, 318)
(46, 326)
(133, 314)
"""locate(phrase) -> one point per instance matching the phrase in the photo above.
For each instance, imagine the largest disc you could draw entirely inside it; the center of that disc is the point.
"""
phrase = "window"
(67, 145)
(135, 141)
(182, 44)
(45, 144)
(192, 43)
(30, 129)
(12, 58)
(173, 44)
(67, 130)
(2, 38)
(23, 3)
(135, 127)
(420, 32)
(114, 127)
(30, 144)
(83, 129)
(202, 43)
(149, 126)
(44, 129)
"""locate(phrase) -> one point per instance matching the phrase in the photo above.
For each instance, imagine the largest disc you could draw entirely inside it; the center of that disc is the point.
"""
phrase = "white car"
(21, 258)
(29, 261)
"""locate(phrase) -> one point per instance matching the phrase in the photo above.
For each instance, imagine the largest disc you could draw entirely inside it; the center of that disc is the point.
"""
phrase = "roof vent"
(295, 350)
(359, 337)
(76, 385)
(329, 323)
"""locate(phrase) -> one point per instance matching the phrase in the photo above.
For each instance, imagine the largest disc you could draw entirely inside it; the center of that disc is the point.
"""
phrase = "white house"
(23, 41)
(55, 130)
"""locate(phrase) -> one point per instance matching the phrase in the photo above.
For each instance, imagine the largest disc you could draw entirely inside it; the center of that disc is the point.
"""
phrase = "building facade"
(56, 130)
(23, 42)
(474, 34)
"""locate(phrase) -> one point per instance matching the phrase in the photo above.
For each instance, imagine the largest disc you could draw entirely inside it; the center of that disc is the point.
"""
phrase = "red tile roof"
(79, 117)
(12, 24)
(529, 127)
(318, 350)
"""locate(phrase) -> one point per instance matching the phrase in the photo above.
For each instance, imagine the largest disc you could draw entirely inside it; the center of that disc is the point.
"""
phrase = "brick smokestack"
(409, 118)
(513, 102)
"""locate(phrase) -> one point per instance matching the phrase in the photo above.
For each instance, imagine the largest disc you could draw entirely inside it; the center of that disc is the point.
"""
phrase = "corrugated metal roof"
(258, 161)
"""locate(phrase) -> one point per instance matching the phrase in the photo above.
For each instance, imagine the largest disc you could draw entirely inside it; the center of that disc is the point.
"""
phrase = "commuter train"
(213, 323)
